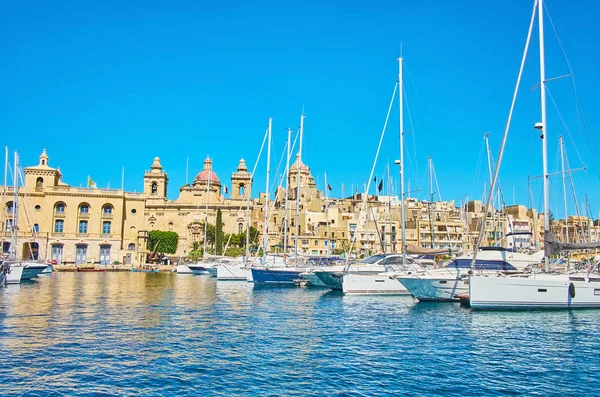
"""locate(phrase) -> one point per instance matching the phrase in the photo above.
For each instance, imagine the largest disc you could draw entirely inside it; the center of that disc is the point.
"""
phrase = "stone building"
(76, 225)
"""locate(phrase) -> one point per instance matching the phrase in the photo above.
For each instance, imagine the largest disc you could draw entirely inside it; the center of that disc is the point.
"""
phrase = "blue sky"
(102, 86)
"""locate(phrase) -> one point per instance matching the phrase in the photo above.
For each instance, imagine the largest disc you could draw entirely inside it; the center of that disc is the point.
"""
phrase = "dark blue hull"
(275, 276)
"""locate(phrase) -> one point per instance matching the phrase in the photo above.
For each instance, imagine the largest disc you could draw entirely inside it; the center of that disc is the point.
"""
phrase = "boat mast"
(287, 186)
(15, 222)
(431, 202)
(489, 160)
(544, 128)
(4, 217)
(298, 187)
(402, 193)
(326, 214)
(206, 216)
(389, 207)
(562, 163)
(266, 210)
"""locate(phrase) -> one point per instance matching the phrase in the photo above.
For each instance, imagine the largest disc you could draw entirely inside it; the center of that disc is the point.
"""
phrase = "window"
(105, 227)
(36, 228)
(133, 210)
(57, 253)
(131, 247)
(240, 228)
(60, 208)
(39, 183)
(9, 225)
(170, 226)
(38, 207)
(80, 254)
(316, 242)
(59, 226)
(83, 227)
(241, 190)
(107, 209)
(84, 209)
(154, 188)
(10, 207)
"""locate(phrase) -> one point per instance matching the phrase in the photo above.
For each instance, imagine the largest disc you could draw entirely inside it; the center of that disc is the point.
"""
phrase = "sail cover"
(553, 246)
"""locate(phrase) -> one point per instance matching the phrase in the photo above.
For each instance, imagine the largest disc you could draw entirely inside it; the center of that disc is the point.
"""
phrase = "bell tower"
(155, 181)
(241, 182)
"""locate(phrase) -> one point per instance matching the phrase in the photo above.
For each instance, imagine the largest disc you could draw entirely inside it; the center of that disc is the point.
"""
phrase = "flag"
(328, 186)
(91, 183)
(226, 190)
(375, 179)
(380, 188)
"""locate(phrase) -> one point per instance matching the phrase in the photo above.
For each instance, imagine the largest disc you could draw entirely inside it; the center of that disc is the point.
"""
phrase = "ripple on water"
(160, 334)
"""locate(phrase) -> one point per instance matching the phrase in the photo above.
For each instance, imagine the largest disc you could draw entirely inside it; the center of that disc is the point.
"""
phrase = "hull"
(249, 276)
(231, 272)
(47, 270)
(31, 270)
(372, 284)
(183, 269)
(198, 269)
(333, 280)
(212, 271)
(144, 270)
(313, 280)
(540, 291)
(275, 276)
(14, 275)
(441, 289)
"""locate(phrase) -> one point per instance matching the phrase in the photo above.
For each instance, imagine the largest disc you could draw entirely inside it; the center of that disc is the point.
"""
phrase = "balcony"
(107, 215)
(84, 215)
(82, 234)
(58, 234)
(59, 214)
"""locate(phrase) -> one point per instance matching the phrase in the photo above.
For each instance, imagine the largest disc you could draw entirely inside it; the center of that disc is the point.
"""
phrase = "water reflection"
(158, 333)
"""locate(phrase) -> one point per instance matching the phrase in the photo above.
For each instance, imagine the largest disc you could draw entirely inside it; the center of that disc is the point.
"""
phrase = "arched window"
(241, 189)
(10, 207)
(84, 209)
(59, 208)
(131, 247)
(154, 188)
(39, 183)
(107, 209)
(36, 228)
(170, 226)
(240, 228)
(43, 162)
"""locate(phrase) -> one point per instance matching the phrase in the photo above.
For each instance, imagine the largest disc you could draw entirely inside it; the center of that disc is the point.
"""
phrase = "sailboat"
(538, 290)
(448, 284)
(18, 270)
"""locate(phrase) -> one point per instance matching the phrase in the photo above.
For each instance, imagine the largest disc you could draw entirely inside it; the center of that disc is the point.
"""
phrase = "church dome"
(207, 174)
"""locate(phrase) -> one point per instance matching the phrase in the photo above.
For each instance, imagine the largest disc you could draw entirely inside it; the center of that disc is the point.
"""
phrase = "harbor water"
(163, 334)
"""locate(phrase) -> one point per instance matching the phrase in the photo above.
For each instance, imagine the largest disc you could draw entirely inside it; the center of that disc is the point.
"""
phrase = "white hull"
(249, 277)
(183, 269)
(14, 276)
(372, 284)
(231, 272)
(535, 291)
(442, 285)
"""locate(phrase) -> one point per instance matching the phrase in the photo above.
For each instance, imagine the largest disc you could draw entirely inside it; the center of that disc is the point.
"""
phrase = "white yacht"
(451, 281)
(382, 283)
(14, 274)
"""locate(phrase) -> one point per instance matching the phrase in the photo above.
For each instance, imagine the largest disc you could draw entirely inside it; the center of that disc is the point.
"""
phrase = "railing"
(58, 234)
(84, 215)
(107, 215)
(82, 235)
(59, 214)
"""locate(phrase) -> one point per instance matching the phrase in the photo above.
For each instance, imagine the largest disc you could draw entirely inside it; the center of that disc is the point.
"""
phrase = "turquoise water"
(163, 334)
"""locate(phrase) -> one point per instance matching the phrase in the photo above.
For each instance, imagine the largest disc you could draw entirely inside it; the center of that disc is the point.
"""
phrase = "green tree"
(210, 233)
(254, 234)
(162, 241)
(219, 233)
